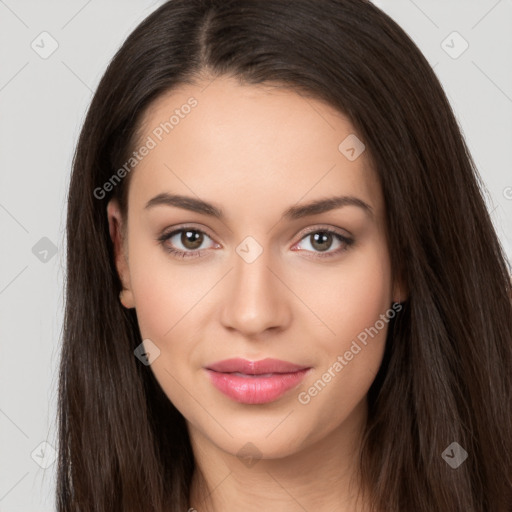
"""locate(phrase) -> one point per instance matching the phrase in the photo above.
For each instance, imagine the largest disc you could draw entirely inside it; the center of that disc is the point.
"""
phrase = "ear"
(115, 224)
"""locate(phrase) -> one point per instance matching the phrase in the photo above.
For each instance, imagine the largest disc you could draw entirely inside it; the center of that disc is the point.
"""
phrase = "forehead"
(264, 144)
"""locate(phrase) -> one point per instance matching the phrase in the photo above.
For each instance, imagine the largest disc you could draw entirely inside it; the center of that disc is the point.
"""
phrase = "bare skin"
(254, 152)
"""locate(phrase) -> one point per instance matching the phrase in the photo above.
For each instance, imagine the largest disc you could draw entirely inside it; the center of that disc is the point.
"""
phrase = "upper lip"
(247, 367)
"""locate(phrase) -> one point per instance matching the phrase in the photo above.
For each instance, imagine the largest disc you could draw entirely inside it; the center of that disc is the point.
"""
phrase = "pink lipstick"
(255, 382)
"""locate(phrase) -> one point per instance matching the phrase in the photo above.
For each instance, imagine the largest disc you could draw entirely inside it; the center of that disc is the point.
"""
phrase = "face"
(253, 275)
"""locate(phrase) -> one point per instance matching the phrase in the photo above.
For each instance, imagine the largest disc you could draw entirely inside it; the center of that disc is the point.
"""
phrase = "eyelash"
(197, 253)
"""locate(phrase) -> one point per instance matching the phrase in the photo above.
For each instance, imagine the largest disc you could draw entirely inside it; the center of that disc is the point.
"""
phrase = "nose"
(255, 300)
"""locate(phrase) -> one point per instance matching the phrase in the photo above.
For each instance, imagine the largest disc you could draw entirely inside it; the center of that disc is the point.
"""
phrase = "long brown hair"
(447, 371)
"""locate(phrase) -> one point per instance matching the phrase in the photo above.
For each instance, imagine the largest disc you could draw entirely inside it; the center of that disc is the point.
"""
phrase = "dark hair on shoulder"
(447, 372)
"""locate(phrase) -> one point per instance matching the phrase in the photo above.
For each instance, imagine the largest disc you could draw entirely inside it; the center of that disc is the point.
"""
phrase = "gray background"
(42, 106)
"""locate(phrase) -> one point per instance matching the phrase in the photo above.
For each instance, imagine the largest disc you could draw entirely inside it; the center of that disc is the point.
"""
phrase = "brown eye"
(191, 239)
(185, 242)
(321, 240)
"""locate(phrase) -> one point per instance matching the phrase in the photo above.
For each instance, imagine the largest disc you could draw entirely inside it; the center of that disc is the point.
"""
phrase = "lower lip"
(255, 389)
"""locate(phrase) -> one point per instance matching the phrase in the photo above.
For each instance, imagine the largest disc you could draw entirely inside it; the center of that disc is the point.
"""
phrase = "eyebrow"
(292, 213)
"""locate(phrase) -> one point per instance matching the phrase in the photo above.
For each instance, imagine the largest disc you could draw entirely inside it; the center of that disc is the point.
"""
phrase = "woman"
(284, 289)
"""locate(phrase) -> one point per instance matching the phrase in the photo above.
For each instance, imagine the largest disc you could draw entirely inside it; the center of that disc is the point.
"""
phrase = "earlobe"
(126, 299)
(400, 292)
(115, 225)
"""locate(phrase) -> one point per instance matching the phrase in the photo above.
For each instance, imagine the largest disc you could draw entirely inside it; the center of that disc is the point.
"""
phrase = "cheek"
(367, 294)
(357, 309)
(164, 291)
(164, 302)
(157, 307)
(351, 297)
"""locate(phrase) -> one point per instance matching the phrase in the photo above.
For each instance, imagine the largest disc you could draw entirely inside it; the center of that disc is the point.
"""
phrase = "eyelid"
(327, 227)
(166, 233)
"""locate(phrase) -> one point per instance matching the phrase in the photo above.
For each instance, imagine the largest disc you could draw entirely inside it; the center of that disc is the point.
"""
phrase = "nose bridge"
(255, 300)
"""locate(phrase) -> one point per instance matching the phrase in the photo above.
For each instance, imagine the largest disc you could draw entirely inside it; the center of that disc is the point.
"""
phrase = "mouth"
(261, 367)
(255, 382)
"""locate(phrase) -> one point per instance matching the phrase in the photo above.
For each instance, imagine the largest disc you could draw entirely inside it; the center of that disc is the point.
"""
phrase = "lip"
(255, 382)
